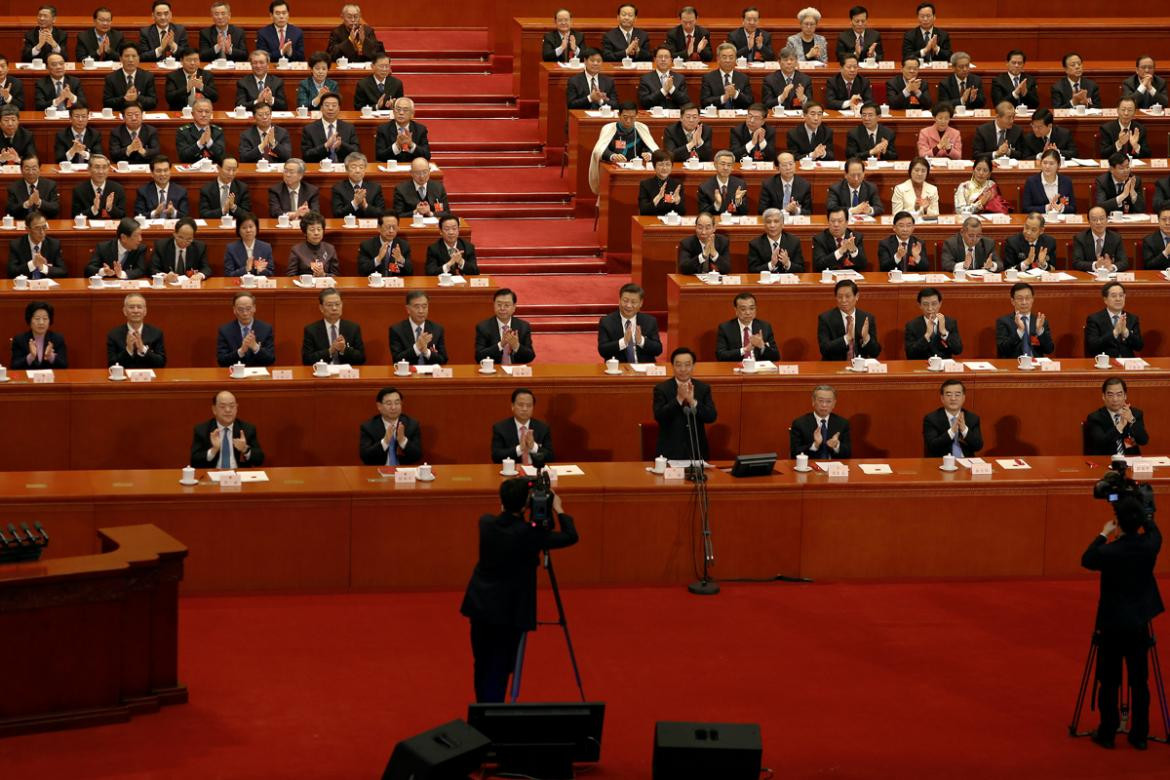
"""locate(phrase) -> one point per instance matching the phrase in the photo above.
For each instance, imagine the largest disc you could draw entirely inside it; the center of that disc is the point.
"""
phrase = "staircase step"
(561, 310)
(427, 112)
(449, 160)
(469, 66)
(517, 210)
(565, 324)
(454, 88)
(451, 41)
(541, 265)
(496, 185)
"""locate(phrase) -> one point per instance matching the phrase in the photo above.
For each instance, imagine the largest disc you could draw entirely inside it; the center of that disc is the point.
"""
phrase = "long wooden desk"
(655, 245)
(190, 318)
(584, 131)
(351, 528)
(306, 421)
(983, 36)
(619, 189)
(101, 629)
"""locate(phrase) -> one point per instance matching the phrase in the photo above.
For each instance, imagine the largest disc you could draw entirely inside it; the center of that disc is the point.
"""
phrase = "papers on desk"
(1132, 364)
(245, 476)
(283, 115)
(566, 470)
(979, 365)
(969, 462)
(578, 65)
(424, 369)
(349, 65)
(1149, 460)
(762, 367)
(1013, 464)
(251, 371)
(155, 115)
(875, 468)
(1082, 162)
(913, 277)
(140, 374)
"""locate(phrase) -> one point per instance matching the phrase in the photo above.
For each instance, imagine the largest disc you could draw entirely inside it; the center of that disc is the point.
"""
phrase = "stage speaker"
(448, 752)
(700, 751)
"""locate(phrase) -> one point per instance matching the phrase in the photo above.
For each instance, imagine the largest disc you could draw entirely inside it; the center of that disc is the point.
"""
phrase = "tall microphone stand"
(704, 586)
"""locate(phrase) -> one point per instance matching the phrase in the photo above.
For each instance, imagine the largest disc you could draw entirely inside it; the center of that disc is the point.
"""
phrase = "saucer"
(802, 470)
(944, 468)
(1102, 368)
(650, 469)
(6, 379)
(117, 379)
(934, 370)
(515, 473)
(185, 482)
(613, 373)
(1029, 368)
(487, 371)
(402, 375)
(431, 478)
(315, 375)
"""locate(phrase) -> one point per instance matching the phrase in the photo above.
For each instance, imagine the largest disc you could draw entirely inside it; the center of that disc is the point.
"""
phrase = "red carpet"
(916, 680)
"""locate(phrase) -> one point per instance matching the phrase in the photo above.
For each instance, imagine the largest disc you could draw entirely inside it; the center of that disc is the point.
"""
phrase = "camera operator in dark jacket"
(1129, 600)
(501, 596)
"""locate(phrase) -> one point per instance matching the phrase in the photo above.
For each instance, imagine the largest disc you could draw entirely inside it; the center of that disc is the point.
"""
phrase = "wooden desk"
(314, 529)
(190, 318)
(594, 417)
(655, 245)
(102, 629)
(619, 190)
(584, 131)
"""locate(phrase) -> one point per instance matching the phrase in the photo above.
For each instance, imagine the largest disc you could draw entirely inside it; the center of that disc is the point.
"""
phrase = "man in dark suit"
(1120, 189)
(225, 441)
(57, 89)
(812, 138)
(846, 331)
(683, 408)
(907, 89)
(858, 40)
(504, 338)
(189, 83)
(379, 90)
(356, 194)
(854, 193)
(774, 250)
(1046, 135)
(293, 196)
(627, 334)
(724, 193)
(752, 43)
(332, 339)
(36, 255)
(420, 195)
(181, 254)
(1156, 246)
(451, 254)
(161, 39)
(417, 339)
(122, 257)
(933, 333)
(962, 87)
(403, 139)
(821, 434)
(100, 42)
(1000, 137)
(687, 40)
(743, 334)
(787, 87)
(970, 249)
(754, 138)
(706, 250)
(16, 142)
(330, 137)
(1074, 89)
(500, 600)
(98, 198)
(521, 437)
(564, 43)
(848, 89)
(78, 142)
(1015, 86)
(687, 139)
(1113, 331)
(390, 438)
(222, 39)
(133, 141)
(281, 39)
(225, 194)
(11, 88)
(161, 198)
(870, 138)
(200, 139)
(786, 191)
(386, 253)
(353, 38)
(44, 39)
(662, 87)
(135, 344)
(926, 41)
(1116, 428)
(902, 250)
(725, 87)
(245, 339)
(838, 247)
(1124, 134)
(1098, 247)
(265, 140)
(1030, 248)
(1023, 332)
(32, 193)
(261, 86)
(129, 84)
(626, 40)
(951, 429)
(1144, 86)
(590, 89)
(1129, 600)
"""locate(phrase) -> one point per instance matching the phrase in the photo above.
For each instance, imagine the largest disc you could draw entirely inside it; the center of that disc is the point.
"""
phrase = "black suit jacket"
(760, 254)
(279, 201)
(32, 38)
(120, 142)
(711, 90)
(114, 90)
(1063, 140)
(689, 250)
(366, 92)
(152, 338)
(20, 359)
(936, 437)
(987, 134)
(373, 431)
(1109, 132)
(20, 255)
(1001, 90)
(825, 250)
(840, 196)
(201, 443)
(774, 87)
(672, 420)
(210, 206)
(552, 41)
(650, 91)
(888, 255)
(87, 45)
(847, 44)
(250, 146)
(577, 91)
(175, 88)
(954, 252)
(831, 335)
(729, 341)
(437, 257)
(1107, 193)
(64, 140)
(343, 192)
(340, 44)
(798, 141)
(22, 141)
(209, 39)
(313, 141)
(772, 194)
(610, 332)
(1009, 345)
(729, 204)
(387, 136)
(1129, 597)
(857, 142)
(368, 252)
(18, 193)
(402, 343)
(186, 142)
(406, 198)
(900, 102)
(247, 93)
(1084, 252)
(741, 136)
(613, 45)
(648, 190)
(15, 92)
(194, 259)
(837, 93)
(505, 440)
(228, 342)
(146, 200)
(106, 253)
(912, 44)
(1153, 252)
(1061, 93)
(1099, 336)
(1015, 250)
(1101, 436)
(45, 93)
(148, 41)
(800, 438)
(315, 343)
(918, 348)
(487, 341)
(676, 41)
(948, 91)
(761, 52)
(1129, 88)
(674, 141)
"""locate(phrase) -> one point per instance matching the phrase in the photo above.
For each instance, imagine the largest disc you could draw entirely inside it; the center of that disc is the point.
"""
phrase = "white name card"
(323, 282)
(282, 373)
(1074, 219)
(733, 280)
(140, 374)
(40, 284)
(798, 219)
(835, 469)
(674, 472)
(787, 368)
(1049, 277)
(1124, 277)
(788, 278)
(396, 282)
(229, 479)
(1050, 366)
(993, 277)
(878, 368)
(368, 224)
(42, 377)
(1143, 468)
(656, 371)
(481, 281)
(1132, 364)
(1159, 162)
(981, 468)
(521, 370)
(441, 372)
(405, 476)
(937, 279)
(953, 367)
(349, 373)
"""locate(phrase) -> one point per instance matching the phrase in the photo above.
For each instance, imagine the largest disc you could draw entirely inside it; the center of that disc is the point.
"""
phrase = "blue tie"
(1028, 335)
(956, 447)
(418, 330)
(856, 197)
(392, 450)
(631, 347)
(225, 449)
(824, 452)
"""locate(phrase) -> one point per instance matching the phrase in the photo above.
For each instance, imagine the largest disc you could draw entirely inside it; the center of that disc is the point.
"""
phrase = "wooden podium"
(92, 639)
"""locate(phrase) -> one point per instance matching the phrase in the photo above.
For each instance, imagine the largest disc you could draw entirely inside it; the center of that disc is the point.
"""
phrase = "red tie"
(525, 455)
(849, 328)
(747, 340)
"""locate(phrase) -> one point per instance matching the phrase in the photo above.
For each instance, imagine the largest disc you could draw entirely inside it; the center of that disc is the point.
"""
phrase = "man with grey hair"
(353, 38)
(222, 39)
(821, 434)
(199, 139)
(970, 249)
(962, 87)
(355, 194)
(293, 197)
(724, 193)
(265, 140)
(261, 86)
(774, 250)
(418, 194)
(725, 87)
(402, 139)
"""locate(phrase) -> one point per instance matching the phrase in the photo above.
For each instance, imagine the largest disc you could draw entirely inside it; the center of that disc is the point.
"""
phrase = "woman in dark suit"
(314, 255)
(248, 255)
(1048, 192)
(661, 193)
(38, 347)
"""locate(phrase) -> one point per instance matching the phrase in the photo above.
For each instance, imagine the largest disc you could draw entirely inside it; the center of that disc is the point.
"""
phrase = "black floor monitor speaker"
(448, 752)
(701, 751)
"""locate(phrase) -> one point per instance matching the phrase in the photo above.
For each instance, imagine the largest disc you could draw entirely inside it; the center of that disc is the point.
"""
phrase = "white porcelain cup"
(88, 63)
(1102, 361)
(350, 220)
(934, 362)
(302, 111)
(801, 461)
(858, 364)
(659, 464)
(424, 471)
(367, 111)
(20, 282)
(402, 368)
(227, 221)
(749, 365)
(1102, 274)
(186, 112)
(95, 281)
(117, 372)
(445, 280)
(826, 275)
(320, 368)
(1024, 361)
(960, 272)
(508, 466)
(1011, 274)
(612, 365)
(306, 279)
(885, 109)
(123, 166)
(262, 165)
(188, 474)
(237, 370)
(8, 221)
(1080, 109)
(65, 166)
(248, 280)
(765, 276)
(3, 373)
(327, 165)
(158, 280)
(107, 113)
(487, 364)
(79, 221)
(283, 221)
(896, 275)
(948, 462)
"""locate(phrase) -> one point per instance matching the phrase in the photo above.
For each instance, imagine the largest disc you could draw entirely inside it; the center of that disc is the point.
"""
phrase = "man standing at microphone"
(676, 402)
(501, 596)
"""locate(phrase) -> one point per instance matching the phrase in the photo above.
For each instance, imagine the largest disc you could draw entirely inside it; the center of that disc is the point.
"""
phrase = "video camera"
(1114, 485)
(540, 502)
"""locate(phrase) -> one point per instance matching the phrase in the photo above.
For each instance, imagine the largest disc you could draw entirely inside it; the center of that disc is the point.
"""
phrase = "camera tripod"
(1089, 674)
(561, 621)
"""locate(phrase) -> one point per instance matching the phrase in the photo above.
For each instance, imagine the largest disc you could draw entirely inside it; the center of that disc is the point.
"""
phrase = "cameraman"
(501, 596)
(1129, 600)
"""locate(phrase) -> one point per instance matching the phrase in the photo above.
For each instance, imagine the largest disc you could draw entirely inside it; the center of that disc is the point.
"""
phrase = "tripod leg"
(564, 622)
(1156, 671)
(1086, 677)
(516, 672)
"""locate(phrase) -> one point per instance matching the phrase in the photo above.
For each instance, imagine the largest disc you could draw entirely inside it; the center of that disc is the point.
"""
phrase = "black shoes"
(1105, 740)
(1138, 744)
